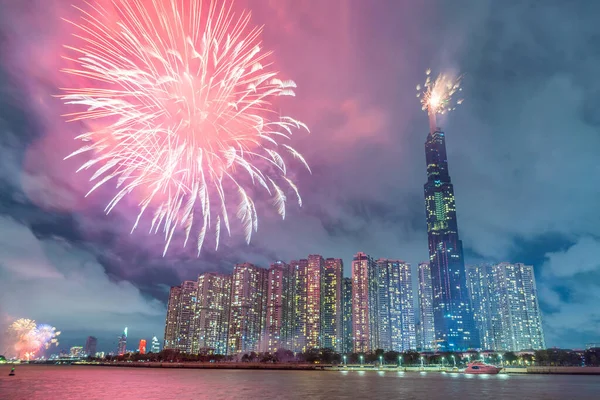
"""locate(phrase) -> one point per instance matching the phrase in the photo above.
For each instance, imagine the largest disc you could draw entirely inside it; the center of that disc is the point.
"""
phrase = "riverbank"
(329, 367)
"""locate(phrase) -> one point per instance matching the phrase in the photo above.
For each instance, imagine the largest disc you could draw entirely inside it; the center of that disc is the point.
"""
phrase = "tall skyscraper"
(90, 346)
(365, 309)
(212, 314)
(454, 325)
(170, 341)
(142, 346)
(347, 341)
(299, 318)
(426, 323)
(247, 308)
(278, 307)
(186, 316)
(396, 309)
(122, 345)
(506, 306)
(331, 303)
(155, 345)
(313, 301)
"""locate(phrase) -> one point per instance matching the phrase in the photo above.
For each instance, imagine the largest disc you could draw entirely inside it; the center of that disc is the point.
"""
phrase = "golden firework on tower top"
(437, 94)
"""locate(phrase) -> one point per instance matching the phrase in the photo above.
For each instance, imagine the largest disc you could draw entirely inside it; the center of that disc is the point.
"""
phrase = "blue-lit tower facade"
(453, 318)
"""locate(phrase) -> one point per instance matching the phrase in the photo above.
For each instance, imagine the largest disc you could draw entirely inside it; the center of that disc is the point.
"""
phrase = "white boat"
(479, 367)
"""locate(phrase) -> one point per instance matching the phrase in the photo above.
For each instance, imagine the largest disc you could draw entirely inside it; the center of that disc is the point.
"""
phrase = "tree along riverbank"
(330, 367)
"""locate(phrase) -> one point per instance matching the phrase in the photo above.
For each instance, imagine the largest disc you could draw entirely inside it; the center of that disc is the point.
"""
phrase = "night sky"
(522, 152)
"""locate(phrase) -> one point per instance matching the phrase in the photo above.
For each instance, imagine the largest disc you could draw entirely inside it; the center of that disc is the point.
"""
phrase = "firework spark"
(181, 100)
(437, 94)
(29, 338)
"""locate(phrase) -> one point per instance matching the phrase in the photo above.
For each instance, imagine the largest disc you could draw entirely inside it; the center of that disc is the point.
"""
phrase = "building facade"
(212, 314)
(122, 343)
(247, 308)
(170, 342)
(347, 335)
(454, 325)
(331, 304)
(396, 310)
(404, 338)
(313, 301)
(155, 345)
(299, 317)
(365, 309)
(90, 346)
(186, 317)
(278, 308)
(486, 311)
(388, 303)
(426, 321)
(506, 306)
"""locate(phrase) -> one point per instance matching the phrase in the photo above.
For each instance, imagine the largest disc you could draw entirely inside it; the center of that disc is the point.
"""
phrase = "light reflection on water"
(79, 382)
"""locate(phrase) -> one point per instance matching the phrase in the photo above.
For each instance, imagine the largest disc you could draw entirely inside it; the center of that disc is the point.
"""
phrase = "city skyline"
(256, 309)
(520, 148)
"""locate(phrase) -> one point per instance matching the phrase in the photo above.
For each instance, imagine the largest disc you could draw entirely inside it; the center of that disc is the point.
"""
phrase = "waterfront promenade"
(351, 367)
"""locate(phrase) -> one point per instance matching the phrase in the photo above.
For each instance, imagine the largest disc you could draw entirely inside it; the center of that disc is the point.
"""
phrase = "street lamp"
(345, 363)
(421, 361)
(361, 359)
(399, 361)
(380, 361)
(500, 355)
(454, 361)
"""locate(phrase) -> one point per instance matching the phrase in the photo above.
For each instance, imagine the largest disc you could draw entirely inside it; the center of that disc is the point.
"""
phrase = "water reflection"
(78, 382)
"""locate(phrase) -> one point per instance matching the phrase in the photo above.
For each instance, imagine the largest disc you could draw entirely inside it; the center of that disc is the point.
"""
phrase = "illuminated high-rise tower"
(171, 320)
(426, 324)
(186, 316)
(299, 287)
(122, 346)
(313, 301)
(155, 345)
(365, 303)
(396, 321)
(279, 304)
(331, 303)
(212, 314)
(347, 342)
(453, 319)
(506, 306)
(179, 325)
(247, 308)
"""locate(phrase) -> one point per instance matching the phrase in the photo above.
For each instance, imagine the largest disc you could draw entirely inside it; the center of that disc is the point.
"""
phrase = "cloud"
(569, 287)
(574, 260)
(60, 283)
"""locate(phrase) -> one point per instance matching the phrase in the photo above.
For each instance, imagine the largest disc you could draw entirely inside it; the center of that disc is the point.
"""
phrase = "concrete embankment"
(554, 370)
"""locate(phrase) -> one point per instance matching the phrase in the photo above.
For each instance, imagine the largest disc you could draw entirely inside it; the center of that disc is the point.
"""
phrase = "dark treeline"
(550, 357)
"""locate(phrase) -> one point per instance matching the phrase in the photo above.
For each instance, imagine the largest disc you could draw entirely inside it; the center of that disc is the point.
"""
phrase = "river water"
(88, 382)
